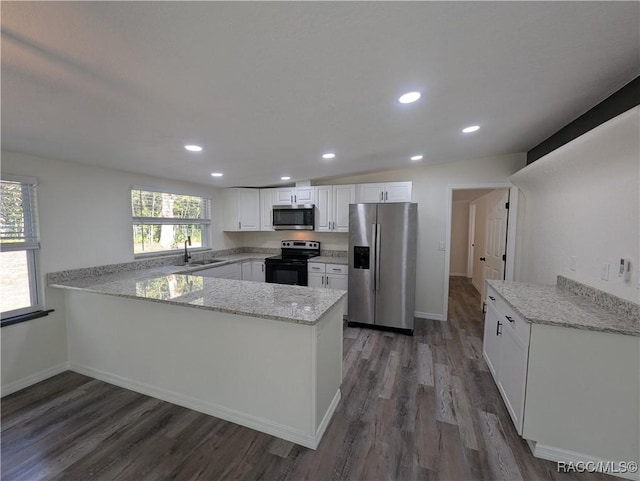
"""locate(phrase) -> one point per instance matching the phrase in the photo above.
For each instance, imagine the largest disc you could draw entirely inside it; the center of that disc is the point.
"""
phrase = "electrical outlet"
(573, 262)
(604, 271)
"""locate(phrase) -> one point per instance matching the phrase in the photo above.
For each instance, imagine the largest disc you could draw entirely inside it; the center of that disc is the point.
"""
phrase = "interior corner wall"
(85, 220)
(583, 200)
(459, 238)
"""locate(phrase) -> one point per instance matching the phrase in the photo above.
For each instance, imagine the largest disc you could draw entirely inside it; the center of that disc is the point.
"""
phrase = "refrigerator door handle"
(373, 253)
(377, 264)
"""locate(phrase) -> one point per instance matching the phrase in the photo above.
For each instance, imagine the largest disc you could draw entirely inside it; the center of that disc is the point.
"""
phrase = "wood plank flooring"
(413, 408)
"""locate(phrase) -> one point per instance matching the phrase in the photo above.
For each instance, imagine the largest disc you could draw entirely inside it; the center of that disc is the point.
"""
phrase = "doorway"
(480, 235)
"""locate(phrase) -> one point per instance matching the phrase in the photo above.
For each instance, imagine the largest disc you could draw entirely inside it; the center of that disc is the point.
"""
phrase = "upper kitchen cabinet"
(332, 207)
(294, 195)
(387, 192)
(241, 209)
(266, 209)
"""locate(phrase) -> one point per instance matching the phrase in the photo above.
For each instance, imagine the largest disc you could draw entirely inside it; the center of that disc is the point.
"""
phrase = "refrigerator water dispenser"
(360, 257)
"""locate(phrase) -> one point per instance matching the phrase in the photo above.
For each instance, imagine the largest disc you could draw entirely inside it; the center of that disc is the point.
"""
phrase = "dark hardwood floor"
(413, 408)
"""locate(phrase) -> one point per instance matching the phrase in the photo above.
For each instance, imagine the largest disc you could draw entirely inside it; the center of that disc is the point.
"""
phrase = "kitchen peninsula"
(266, 356)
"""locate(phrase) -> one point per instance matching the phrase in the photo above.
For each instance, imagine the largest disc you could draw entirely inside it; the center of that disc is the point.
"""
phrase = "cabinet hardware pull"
(262, 267)
(381, 195)
(239, 225)
(509, 318)
(498, 331)
(335, 269)
(386, 196)
(484, 307)
(492, 298)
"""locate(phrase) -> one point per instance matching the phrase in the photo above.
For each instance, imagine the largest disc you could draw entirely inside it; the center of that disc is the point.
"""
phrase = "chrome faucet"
(186, 252)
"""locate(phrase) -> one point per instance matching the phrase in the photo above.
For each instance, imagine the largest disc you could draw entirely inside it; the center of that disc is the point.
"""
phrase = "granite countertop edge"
(572, 298)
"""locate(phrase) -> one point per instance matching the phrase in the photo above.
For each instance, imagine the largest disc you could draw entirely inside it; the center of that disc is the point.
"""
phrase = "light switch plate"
(604, 271)
(441, 246)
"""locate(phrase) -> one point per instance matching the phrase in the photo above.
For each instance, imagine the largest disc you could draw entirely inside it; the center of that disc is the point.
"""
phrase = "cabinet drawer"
(316, 267)
(513, 321)
(337, 269)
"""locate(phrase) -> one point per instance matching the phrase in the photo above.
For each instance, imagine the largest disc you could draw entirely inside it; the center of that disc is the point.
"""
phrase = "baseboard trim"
(212, 409)
(458, 274)
(550, 453)
(322, 427)
(428, 315)
(33, 379)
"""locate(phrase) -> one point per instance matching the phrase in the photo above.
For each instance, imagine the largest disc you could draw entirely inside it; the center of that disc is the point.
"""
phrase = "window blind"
(18, 214)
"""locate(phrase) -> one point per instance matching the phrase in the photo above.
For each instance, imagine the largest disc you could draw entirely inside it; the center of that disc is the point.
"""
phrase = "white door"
(514, 354)
(493, 327)
(324, 207)
(304, 195)
(343, 195)
(397, 192)
(339, 281)
(283, 196)
(495, 237)
(472, 241)
(249, 209)
(257, 271)
(266, 209)
(369, 193)
(315, 280)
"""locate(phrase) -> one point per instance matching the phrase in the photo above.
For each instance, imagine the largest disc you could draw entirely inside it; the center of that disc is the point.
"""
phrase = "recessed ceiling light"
(216, 174)
(285, 178)
(409, 97)
(329, 155)
(416, 157)
(471, 128)
(193, 148)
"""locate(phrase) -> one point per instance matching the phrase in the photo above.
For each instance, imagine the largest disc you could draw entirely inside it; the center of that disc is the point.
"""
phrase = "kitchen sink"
(201, 263)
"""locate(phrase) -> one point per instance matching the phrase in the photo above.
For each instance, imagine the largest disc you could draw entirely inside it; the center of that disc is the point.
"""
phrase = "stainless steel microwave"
(294, 217)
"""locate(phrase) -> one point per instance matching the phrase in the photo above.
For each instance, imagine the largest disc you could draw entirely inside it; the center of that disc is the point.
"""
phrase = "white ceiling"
(266, 88)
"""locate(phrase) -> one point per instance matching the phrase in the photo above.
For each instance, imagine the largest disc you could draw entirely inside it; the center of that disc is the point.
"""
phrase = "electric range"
(290, 267)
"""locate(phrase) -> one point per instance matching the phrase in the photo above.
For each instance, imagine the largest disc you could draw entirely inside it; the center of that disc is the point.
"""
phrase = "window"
(162, 221)
(19, 246)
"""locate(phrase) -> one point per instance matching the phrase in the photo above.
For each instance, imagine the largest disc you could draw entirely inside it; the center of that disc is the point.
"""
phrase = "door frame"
(511, 232)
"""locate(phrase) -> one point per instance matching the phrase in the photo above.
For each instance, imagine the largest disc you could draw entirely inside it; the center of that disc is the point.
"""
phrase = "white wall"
(85, 220)
(459, 238)
(430, 183)
(583, 200)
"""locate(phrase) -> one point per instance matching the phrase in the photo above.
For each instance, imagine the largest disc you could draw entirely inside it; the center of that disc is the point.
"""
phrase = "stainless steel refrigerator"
(382, 264)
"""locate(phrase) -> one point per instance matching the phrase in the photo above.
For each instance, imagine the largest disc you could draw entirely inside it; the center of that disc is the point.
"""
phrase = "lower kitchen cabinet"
(253, 271)
(506, 350)
(328, 276)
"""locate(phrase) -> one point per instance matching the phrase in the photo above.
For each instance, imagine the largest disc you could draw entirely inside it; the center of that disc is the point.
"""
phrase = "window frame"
(205, 223)
(32, 251)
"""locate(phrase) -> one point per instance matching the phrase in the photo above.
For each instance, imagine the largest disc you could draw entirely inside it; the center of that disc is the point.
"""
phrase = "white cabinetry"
(266, 209)
(253, 271)
(506, 350)
(332, 207)
(241, 209)
(230, 271)
(293, 195)
(385, 192)
(328, 276)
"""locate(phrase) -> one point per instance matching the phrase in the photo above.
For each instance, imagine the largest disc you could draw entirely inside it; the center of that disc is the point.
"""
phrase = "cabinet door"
(315, 279)
(512, 375)
(397, 192)
(369, 193)
(266, 209)
(284, 195)
(343, 195)
(249, 209)
(493, 327)
(339, 281)
(257, 271)
(304, 195)
(247, 271)
(324, 208)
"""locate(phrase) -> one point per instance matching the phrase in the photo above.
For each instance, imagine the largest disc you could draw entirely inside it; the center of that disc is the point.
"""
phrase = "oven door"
(293, 217)
(286, 272)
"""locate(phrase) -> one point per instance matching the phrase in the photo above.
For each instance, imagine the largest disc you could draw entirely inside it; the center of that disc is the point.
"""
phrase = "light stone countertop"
(555, 306)
(172, 285)
(330, 259)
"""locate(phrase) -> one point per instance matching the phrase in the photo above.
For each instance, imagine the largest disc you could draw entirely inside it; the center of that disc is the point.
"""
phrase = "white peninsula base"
(280, 378)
